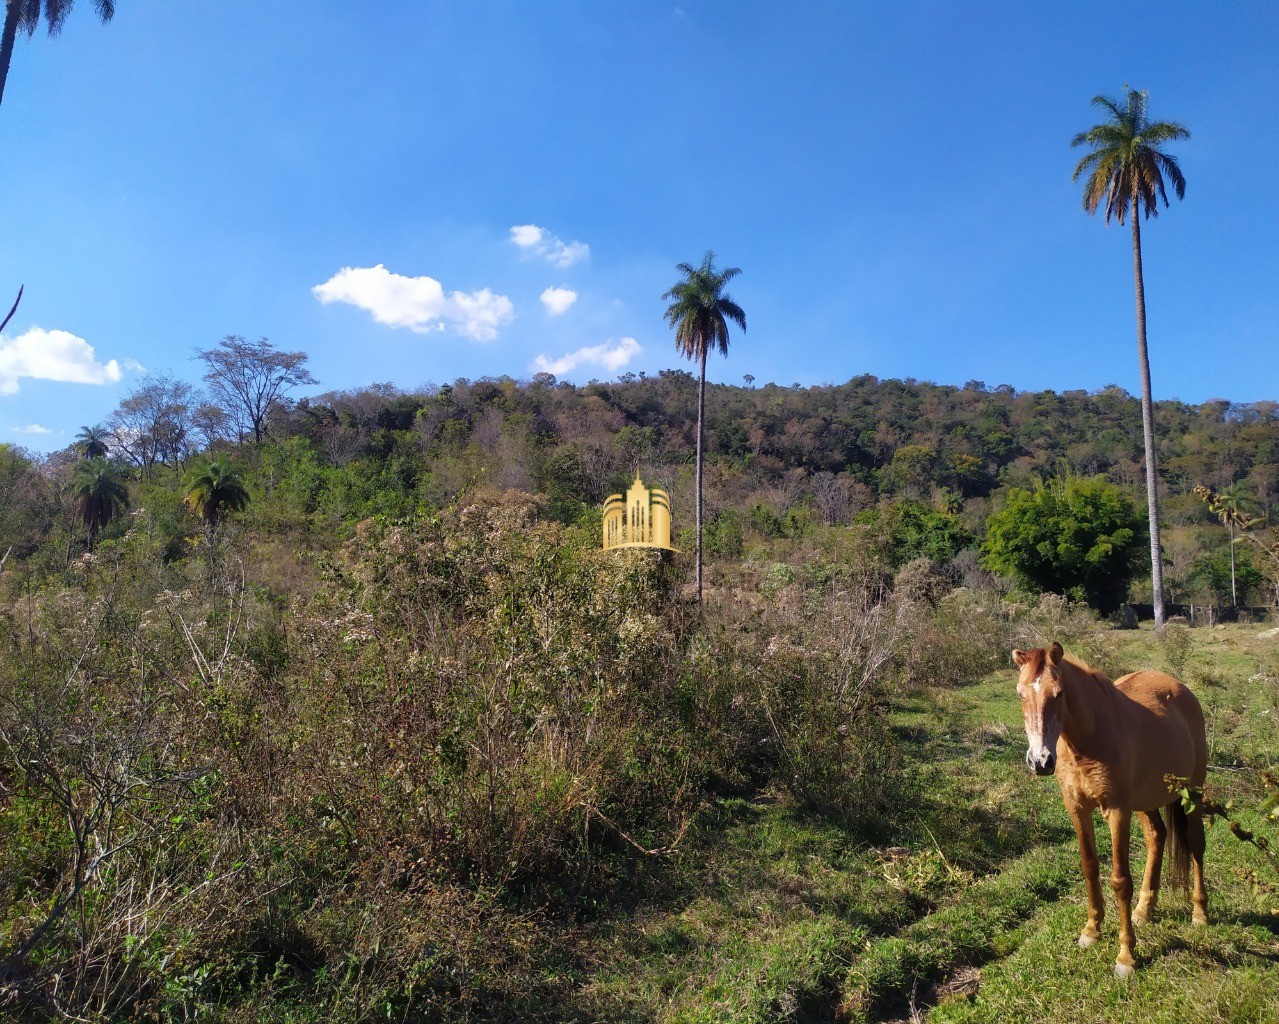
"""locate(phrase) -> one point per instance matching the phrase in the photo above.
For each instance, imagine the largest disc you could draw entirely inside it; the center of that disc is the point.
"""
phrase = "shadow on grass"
(1251, 919)
(1176, 944)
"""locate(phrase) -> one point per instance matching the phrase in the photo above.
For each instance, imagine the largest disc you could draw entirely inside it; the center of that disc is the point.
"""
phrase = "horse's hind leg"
(1091, 866)
(1121, 881)
(1195, 841)
(1153, 826)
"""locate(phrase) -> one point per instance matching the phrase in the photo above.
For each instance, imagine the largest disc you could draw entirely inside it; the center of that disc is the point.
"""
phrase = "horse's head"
(1039, 687)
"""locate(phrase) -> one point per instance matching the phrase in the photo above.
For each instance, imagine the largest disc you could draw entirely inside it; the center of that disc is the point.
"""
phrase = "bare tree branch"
(5, 323)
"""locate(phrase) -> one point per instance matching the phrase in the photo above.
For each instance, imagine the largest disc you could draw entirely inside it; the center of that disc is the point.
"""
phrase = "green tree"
(99, 492)
(1074, 536)
(1236, 509)
(215, 488)
(92, 442)
(700, 312)
(910, 530)
(24, 16)
(1219, 579)
(1124, 173)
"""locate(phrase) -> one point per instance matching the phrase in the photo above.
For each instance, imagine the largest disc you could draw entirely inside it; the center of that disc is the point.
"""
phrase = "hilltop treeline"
(781, 461)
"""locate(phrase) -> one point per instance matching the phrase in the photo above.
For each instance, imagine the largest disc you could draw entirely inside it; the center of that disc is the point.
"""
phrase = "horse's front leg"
(1091, 866)
(1121, 881)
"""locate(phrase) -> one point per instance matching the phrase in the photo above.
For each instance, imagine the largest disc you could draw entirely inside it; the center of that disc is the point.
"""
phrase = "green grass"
(772, 915)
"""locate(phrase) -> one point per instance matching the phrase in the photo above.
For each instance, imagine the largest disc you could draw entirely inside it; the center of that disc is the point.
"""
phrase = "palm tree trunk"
(7, 41)
(701, 413)
(1234, 595)
(1147, 423)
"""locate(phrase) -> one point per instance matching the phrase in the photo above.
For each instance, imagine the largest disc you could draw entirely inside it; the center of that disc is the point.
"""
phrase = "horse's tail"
(1178, 851)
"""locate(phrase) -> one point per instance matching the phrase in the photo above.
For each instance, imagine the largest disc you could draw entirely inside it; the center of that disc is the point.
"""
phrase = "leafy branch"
(1193, 799)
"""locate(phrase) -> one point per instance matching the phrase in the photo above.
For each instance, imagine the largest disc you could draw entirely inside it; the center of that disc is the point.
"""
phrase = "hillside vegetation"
(361, 724)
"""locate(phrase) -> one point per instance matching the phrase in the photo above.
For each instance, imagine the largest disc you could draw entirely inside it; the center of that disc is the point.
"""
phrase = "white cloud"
(558, 300)
(610, 355)
(52, 355)
(418, 303)
(32, 428)
(548, 246)
(526, 235)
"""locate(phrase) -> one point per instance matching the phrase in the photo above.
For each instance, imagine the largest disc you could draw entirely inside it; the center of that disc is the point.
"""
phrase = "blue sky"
(415, 191)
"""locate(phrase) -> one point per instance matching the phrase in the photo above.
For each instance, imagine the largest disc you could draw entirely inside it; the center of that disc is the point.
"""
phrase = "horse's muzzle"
(1044, 764)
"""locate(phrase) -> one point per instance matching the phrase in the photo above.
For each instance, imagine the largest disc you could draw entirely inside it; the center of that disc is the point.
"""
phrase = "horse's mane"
(1088, 670)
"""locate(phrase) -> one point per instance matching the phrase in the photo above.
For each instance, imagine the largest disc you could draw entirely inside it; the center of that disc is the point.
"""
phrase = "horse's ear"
(1020, 657)
(1055, 653)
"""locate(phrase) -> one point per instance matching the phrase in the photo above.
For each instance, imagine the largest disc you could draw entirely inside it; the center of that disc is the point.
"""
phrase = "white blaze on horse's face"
(1039, 687)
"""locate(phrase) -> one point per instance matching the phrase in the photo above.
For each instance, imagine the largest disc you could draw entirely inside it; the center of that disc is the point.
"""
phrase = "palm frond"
(1172, 170)
(733, 311)
(1124, 168)
(1164, 131)
(1106, 103)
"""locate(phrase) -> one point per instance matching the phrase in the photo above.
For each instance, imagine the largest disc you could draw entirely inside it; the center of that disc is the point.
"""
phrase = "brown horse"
(1113, 745)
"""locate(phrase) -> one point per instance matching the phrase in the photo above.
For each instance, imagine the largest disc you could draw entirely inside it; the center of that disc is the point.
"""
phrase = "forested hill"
(780, 460)
(834, 448)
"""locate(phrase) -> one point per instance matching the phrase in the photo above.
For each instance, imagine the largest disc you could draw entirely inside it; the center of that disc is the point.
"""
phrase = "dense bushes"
(377, 792)
(1079, 537)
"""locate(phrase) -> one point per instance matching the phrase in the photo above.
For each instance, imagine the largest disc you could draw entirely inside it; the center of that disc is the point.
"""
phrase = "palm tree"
(1125, 174)
(1234, 507)
(700, 313)
(214, 489)
(24, 15)
(92, 441)
(99, 492)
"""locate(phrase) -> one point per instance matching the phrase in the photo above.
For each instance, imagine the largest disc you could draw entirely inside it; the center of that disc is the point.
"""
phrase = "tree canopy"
(215, 488)
(99, 492)
(1073, 536)
(249, 378)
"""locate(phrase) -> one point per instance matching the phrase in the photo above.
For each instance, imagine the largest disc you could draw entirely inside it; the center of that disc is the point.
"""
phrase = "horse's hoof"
(1199, 920)
(1086, 940)
(1123, 970)
(1140, 918)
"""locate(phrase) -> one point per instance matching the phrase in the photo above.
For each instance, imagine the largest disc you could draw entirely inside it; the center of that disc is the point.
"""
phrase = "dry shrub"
(960, 640)
(798, 693)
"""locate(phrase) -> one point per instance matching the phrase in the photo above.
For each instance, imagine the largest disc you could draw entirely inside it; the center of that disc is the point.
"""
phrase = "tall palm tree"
(92, 441)
(24, 15)
(1124, 174)
(700, 314)
(214, 489)
(99, 492)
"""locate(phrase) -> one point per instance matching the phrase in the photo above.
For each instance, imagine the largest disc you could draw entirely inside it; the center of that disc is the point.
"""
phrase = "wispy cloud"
(32, 428)
(541, 242)
(558, 300)
(418, 303)
(610, 355)
(52, 355)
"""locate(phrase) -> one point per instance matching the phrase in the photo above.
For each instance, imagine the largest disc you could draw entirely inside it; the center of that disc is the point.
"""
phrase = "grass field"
(967, 910)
